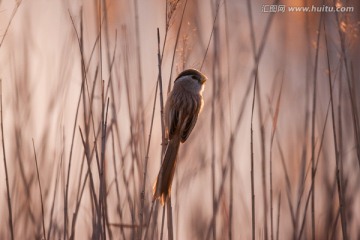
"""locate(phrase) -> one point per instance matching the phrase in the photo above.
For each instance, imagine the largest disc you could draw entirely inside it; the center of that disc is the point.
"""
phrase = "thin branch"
(146, 165)
(161, 97)
(252, 164)
(211, 34)
(5, 166)
(313, 133)
(41, 198)
(10, 21)
(253, 41)
(169, 220)
(337, 161)
(278, 218)
(162, 223)
(275, 120)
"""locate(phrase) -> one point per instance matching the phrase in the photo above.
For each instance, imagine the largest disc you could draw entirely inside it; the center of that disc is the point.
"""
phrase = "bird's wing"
(190, 119)
(172, 121)
(188, 126)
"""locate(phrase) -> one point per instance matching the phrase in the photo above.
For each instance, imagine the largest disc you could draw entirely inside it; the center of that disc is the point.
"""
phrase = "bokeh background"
(81, 105)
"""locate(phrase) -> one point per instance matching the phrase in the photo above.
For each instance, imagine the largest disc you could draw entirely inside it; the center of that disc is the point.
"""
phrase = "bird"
(182, 108)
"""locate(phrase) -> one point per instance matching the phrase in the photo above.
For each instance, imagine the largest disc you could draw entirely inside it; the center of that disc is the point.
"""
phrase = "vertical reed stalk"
(313, 117)
(337, 161)
(41, 195)
(5, 166)
(252, 164)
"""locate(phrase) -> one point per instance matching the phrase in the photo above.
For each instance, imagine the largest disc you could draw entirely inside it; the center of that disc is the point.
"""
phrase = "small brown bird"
(182, 108)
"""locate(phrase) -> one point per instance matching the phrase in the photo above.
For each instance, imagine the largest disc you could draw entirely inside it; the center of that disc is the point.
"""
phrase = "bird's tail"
(162, 186)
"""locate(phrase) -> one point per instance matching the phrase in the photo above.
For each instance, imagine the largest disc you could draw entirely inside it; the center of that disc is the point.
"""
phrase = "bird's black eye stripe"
(195, 77)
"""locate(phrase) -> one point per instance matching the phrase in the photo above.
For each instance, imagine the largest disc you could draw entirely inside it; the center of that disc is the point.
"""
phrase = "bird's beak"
(203, 79)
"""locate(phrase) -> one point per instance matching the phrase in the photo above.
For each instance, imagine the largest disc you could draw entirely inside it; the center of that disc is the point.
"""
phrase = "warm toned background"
(293, 119)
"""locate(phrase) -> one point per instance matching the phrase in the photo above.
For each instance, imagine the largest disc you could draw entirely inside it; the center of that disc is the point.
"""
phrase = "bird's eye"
(197, 78)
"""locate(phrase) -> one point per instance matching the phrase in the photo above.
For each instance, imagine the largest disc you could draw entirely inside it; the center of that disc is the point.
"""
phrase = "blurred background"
(275, 153)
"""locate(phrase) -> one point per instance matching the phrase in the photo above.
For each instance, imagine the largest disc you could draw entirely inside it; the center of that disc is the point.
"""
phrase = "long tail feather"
(162, 186)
